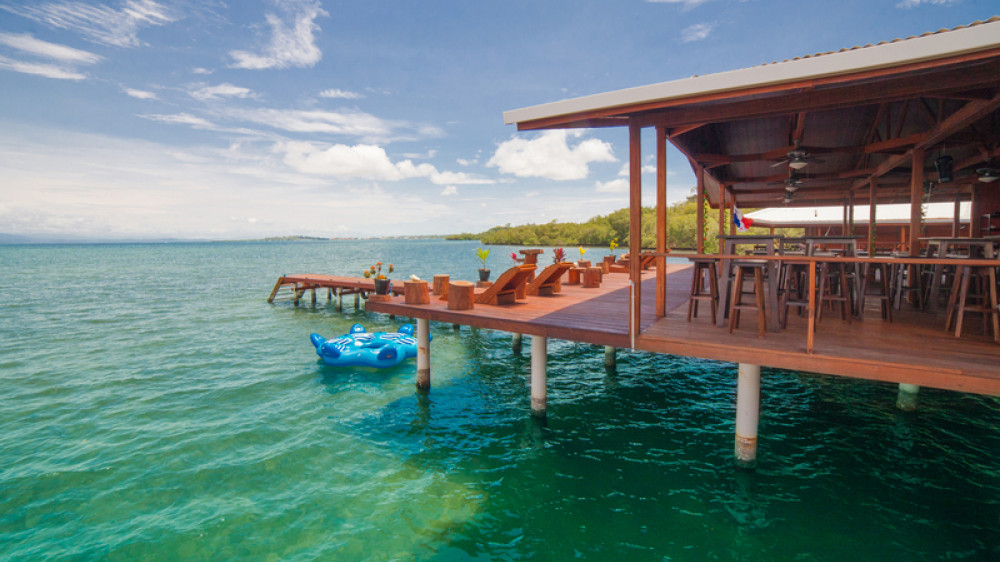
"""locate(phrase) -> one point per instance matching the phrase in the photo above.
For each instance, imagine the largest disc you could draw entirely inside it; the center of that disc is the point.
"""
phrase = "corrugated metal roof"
(978, 36)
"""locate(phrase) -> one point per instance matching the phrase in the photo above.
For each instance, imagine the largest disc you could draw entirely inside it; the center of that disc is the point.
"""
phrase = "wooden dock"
(914, 349)
(298, 285)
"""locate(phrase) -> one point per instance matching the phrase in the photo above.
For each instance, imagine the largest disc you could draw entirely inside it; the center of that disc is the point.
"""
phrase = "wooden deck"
(913, 349)
(300, 283)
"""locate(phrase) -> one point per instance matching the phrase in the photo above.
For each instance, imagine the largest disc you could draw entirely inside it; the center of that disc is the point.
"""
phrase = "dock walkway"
(299, 284)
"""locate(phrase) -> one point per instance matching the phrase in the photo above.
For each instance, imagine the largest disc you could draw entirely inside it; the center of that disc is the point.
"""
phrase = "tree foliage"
(600, 230)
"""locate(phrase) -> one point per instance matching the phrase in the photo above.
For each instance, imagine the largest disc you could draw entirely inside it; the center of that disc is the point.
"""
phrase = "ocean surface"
(155, 407)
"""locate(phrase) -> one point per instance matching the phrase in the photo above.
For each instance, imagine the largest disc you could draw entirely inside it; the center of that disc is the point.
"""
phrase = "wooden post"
(423, 354)
(661, 221)
(539, 359)
(811, 326)
(699, 223)
(313, 296)
(956, 223)
(440, 285)
(515, 344)
(635, 228)
(907, 400)
(747, 414)
(916, 198)
(340, 299)
(872, 223)
(722, 213)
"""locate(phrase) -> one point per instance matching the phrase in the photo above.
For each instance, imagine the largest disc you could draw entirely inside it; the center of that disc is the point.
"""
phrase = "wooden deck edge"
(932, 377)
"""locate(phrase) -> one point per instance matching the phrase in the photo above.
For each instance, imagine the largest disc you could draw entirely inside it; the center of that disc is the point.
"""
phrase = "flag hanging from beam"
(742, 223)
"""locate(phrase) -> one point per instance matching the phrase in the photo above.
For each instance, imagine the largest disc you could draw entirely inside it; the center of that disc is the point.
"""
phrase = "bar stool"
(878, 272)
(962, 299)
(703, 267)
(794, 288)
(904, 283)
(834, 288)
(756, 270)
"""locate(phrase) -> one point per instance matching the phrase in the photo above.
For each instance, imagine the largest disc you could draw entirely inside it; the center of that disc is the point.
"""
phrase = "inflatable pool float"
(360, 348)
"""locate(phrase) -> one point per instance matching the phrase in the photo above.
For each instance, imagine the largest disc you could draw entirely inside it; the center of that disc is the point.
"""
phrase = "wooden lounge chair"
(646, 261)
(504, 289)
(546, 282)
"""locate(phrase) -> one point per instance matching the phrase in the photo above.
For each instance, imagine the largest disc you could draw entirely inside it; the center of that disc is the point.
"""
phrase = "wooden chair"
(504, 289)
(547, 282)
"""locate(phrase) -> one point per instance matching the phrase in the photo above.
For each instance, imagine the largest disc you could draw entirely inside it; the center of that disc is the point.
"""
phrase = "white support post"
(610, 360)
(516, 343)
(423, 354)
(747, 414)
(539, 359)
(907, 399)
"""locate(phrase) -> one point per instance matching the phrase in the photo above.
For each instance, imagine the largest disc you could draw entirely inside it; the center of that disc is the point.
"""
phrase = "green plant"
(483, 254)
(376, 271)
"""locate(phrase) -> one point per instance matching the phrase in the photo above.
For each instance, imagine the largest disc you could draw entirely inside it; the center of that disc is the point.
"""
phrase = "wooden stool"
(736, 303)
(703, 267)
(980, 299)
(415, 292)
(880, 273)
(461, 295)
(834, 288)
(592, 278)
(574, 275)
(794, 289)
(440, 285)
(905, 282)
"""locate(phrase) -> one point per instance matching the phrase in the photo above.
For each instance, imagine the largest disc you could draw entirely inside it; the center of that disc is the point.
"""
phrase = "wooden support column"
(539, 360)
(423, 354)
(747, 414)
(661, 221)
(850, 213)
(956, 223)
(722, 213)
(699, 235)
(872, 225)
(916, 198)
(975, 210)
(635, 228)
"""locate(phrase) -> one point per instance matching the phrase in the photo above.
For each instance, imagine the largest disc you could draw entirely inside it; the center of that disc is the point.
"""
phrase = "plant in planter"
(382, 283)
(583, 262)
(484, 274)
(610, 259)
(558, 255)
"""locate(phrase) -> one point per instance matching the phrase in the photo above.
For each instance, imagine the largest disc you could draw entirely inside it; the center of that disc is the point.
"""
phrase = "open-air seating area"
(817, 276)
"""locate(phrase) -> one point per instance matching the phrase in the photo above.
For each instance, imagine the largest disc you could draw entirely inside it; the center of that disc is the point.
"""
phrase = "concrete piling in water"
(747, 414)
(423, 354)
(515, 344)
(539, 360)
(610, 359)
(907, 399)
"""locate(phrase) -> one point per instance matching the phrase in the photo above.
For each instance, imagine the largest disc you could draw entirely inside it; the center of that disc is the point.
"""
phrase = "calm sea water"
(155, 407)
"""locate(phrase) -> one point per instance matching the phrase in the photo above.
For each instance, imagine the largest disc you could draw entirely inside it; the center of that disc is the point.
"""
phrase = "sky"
(204, 119)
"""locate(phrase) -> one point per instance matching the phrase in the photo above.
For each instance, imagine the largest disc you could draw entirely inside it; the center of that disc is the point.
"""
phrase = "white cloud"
(614, 186)
(550, 156)
(26, 43)
(140, 94)
(350, 123)
(687, 3)
(696, 32)
(100, 23)
(221, 91)
(340, 94)
(181, 119)
(40, 69)
(449, 190)
(363, 161)
(906, 4)
(200, 70)
(466, 162)
(646, 169)
(292, 42)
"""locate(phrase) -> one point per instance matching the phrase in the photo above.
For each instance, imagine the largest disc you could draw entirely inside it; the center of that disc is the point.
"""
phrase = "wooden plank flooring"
(914, 348)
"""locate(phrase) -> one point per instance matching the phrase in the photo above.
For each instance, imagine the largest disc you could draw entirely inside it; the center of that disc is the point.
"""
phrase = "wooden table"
(730, 243)
(849, 249)
(942, 247)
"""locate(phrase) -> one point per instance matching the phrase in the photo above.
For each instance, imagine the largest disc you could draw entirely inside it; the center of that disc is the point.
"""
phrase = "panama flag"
(742, 223)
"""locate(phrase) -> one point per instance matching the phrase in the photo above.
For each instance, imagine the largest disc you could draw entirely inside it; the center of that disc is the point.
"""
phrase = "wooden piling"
(539, 360)
(747, 414)
(423, 354)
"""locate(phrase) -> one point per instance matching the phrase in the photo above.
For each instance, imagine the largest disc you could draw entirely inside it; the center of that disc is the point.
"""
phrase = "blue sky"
(206, 119)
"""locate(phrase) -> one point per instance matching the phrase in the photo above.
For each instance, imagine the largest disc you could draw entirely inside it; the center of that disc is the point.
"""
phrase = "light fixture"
(791, 188)
(944, 166)
(988, 174)
(797, 163)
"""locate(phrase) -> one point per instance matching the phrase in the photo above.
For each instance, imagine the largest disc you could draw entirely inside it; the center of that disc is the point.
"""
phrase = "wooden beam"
(916, 197)
(699, 222)
(635, 229)
(661, 221)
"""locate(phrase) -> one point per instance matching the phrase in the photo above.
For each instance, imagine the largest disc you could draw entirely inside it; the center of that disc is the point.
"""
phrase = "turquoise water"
(156, 408)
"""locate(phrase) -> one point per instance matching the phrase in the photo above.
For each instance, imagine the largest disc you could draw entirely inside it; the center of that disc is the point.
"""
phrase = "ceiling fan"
(796, 159)
(988, 174)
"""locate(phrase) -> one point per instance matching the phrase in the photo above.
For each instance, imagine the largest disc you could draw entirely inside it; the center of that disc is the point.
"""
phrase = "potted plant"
(558, 255)
(583, 262)
(484, 274)
(382, 283)
(610, 259)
